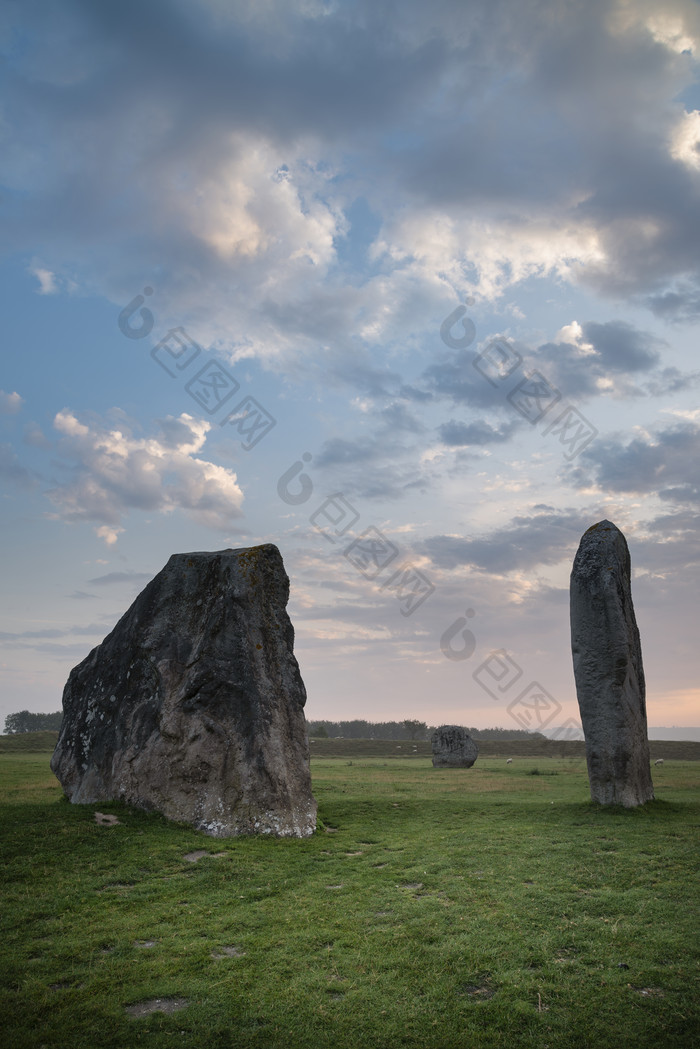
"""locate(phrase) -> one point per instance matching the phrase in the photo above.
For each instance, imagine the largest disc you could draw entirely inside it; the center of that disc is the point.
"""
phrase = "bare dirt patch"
(103, 819)
(228, 952)
(480, 993)
(156, 1005)
(650, 992)
(199, 854)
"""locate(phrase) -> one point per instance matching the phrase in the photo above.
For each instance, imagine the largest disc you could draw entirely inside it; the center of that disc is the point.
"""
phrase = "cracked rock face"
(608, 669)
(194, 705)
(453, 747)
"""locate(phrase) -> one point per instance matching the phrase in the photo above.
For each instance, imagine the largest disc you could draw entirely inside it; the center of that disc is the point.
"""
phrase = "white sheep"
(659, 761)
(509, 761)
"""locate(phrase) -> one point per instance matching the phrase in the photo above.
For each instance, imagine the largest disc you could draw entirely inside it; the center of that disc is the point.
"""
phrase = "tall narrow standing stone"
(194, 704)
(608, 669)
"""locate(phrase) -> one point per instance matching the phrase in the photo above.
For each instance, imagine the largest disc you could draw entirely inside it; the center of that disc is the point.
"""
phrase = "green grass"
(486, 907)
(38, 742)
(678, 750)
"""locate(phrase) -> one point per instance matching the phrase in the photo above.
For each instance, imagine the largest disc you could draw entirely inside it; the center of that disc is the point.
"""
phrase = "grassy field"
(488, 907)
(388, 748)
(488, 748)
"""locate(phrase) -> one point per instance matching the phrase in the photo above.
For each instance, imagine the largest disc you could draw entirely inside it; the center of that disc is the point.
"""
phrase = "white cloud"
(490, 145)
(110, 535)
(10, 403)
(685, 140)
(112, 471)
(675, 23)
(47, 280)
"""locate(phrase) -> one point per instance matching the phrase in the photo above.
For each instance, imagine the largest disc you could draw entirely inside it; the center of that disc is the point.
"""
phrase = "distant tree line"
(407, 729)
(25, 721)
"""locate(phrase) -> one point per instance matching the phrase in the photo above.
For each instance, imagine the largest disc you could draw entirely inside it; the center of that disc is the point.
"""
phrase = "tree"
(415, 728)
(319, 732)
(25, 721)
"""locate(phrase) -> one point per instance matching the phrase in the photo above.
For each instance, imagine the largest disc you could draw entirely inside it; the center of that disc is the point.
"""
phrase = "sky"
(410, 290)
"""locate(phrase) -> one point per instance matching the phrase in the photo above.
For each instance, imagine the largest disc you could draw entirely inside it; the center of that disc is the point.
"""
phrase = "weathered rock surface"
(194, 705)
(608, 669)
(453, 748)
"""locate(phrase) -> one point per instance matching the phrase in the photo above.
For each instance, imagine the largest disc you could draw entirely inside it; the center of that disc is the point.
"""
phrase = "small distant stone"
(453, 747)
(156, 1005)
(145, 943)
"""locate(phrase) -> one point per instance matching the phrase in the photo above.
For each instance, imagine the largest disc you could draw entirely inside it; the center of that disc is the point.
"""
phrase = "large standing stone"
(453, 748)
(608, 669)
(194, 704)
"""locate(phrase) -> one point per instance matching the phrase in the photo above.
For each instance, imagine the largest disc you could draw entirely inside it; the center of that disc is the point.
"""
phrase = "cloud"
(619, 347)
(665, 463)
(119, 577)
(110, 535)
(488, 143)
(12, 470)
(53, 632)
(10, 403)
(476, 433)
(109, 472)
(544, 538)
(47, 280)
(681, 302)
(34, 436)
(593, 359)
(457, 380)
